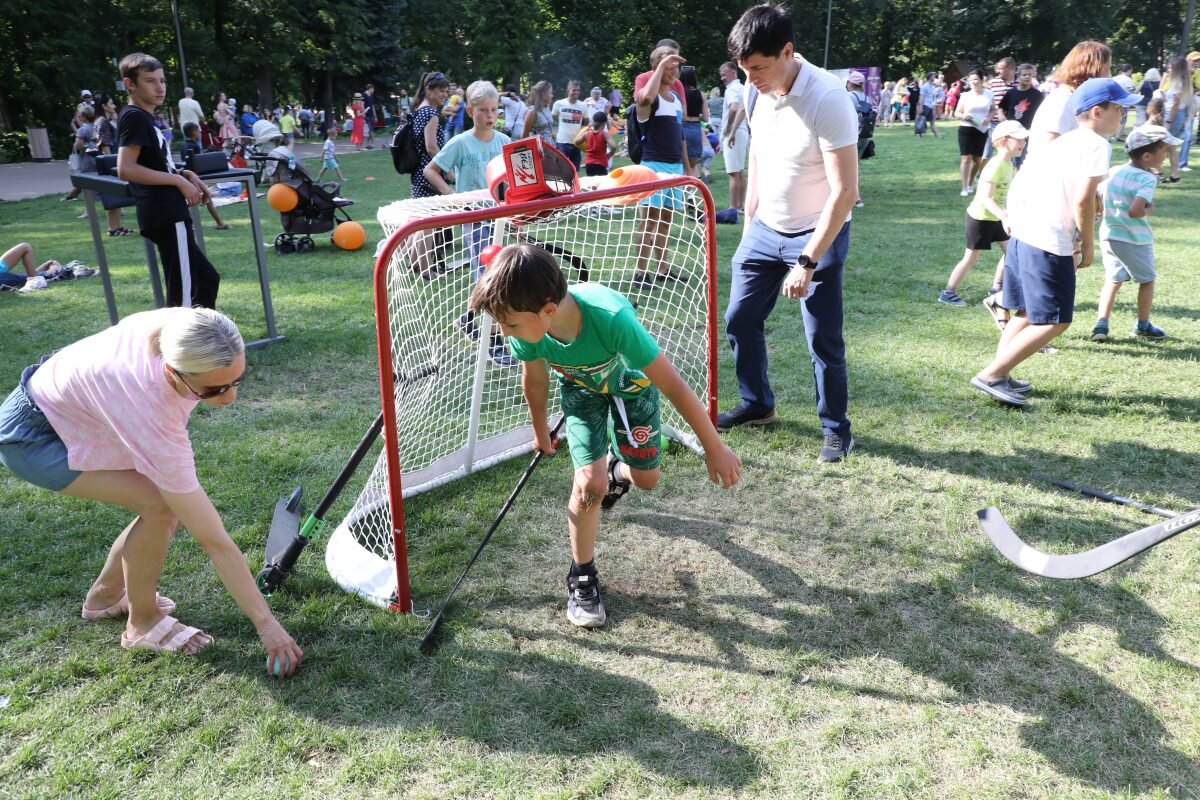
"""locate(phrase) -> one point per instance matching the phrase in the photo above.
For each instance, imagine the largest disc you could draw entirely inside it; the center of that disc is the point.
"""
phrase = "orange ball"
(282, 198)
(349, 235)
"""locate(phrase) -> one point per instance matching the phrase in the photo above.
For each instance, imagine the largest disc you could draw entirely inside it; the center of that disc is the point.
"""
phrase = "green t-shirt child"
(998, 172)
(610, 352)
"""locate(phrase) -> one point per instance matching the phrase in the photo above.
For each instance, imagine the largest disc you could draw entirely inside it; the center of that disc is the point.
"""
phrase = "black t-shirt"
(156, 205)
(369, 105)
(1021, 104)
(695, 102)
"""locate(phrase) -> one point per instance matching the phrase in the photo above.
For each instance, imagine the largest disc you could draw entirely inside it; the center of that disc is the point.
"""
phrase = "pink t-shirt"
(108, 399)
(640, 81)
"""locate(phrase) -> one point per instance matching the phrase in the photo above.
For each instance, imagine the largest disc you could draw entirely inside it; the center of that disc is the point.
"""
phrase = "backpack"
(919, 125)
(866, 115)
(405, 154)
(635, 130)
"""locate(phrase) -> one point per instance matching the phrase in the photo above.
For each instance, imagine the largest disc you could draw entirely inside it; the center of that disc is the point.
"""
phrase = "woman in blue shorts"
(660, 113)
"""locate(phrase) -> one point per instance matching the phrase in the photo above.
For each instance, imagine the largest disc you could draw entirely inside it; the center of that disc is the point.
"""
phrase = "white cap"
(856, 78)
(1149, 134)
(1010, 127)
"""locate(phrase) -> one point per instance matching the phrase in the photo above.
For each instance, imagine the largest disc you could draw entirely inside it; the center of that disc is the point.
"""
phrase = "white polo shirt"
(790, 136)
(189, 111)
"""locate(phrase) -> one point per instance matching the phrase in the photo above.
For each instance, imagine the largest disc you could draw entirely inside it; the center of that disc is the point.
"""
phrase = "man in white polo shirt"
(189, 109)
(802, 183)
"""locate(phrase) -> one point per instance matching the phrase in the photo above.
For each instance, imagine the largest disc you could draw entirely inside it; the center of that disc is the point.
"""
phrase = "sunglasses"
(213, 391)
(435, 77)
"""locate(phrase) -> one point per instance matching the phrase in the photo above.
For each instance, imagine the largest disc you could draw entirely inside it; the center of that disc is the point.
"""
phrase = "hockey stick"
(1089, 562)
(1099, 495)
(429, 642)
(575, 261)
(287, 537)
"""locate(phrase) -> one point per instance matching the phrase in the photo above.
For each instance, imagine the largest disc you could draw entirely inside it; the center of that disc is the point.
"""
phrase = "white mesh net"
(459, 406)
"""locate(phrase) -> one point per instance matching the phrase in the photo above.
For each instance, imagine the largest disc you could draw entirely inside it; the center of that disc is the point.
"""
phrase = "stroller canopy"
(266, 134)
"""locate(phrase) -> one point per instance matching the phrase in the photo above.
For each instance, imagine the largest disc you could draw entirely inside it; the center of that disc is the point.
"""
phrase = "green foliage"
(14, 146)
(320, 52)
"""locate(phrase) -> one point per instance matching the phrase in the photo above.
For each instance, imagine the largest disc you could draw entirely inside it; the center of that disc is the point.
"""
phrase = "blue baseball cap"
(1095, 91)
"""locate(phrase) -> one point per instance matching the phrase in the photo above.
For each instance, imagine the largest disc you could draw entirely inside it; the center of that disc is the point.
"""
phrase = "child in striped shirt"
(1126, 241)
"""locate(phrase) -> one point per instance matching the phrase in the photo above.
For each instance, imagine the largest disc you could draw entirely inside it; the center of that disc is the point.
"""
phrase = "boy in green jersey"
(609, 368)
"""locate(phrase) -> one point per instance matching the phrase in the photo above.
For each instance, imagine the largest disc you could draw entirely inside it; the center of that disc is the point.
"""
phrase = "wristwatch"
(806, 262)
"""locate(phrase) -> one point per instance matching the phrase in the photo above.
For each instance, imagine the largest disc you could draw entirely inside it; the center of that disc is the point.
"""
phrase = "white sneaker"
(963, 193)
(1185, 169)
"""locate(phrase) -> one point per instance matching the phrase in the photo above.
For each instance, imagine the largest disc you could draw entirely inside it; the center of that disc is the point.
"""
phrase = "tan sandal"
(168, 635)
(121, 608)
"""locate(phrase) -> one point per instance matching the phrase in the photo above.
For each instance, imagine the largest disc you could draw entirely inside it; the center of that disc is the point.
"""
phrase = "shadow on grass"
(1083, 724)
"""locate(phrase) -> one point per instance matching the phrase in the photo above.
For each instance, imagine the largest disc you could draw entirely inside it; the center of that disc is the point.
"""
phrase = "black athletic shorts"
(971, 141)
(981, 233)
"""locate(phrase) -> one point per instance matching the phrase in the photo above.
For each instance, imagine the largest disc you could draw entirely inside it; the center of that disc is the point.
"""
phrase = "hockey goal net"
(451, 403)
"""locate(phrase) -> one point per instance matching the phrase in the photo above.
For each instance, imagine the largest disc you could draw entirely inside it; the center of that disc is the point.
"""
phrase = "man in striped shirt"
(1001, 82)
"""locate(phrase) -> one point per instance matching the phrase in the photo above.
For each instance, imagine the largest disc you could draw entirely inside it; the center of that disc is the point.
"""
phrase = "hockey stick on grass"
(1099, 495)
(429, 641)
(287, 537)
(1089, 562)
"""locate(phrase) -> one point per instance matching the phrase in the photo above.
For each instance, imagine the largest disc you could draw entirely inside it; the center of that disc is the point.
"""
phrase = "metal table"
(93, 183)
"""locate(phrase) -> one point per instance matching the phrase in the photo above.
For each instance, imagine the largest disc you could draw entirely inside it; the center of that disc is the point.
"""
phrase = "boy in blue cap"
(1052, 215)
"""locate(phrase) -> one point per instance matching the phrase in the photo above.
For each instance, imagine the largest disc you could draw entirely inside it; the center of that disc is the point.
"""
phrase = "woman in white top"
(106, 419)
(974, 112)
(1178, 96)
(1053, 118)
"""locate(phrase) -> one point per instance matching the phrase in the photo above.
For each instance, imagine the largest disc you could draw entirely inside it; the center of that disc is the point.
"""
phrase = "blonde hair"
(197, 340)
(479, 91)
(537, 93)
(1088, 59)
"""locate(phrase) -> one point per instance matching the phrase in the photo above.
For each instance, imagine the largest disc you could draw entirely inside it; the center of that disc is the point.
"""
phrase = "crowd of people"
(1035, 156)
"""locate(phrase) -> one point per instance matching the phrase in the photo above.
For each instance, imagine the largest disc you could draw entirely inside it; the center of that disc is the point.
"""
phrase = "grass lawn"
(845, 631)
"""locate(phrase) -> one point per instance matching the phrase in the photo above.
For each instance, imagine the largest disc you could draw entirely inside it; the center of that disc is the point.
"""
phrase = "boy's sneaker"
(467, 327)
(1149, 332)
(743, 415)
(951, 298)
(617, 487)
(1100, 332)
(999, 390)
(643, 281)
(835, 448)
(499, 354)
(585, 606)
(1020, 387)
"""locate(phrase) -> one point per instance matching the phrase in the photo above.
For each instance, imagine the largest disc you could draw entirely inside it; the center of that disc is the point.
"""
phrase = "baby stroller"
(319, 205)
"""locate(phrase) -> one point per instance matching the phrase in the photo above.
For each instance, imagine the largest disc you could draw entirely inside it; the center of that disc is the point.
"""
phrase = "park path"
(27, 179)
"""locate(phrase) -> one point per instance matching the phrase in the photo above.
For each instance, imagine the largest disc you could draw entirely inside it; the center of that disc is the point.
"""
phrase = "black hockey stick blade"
(288, 538)
(1089, 562)
(1099, 495)
(429, 641)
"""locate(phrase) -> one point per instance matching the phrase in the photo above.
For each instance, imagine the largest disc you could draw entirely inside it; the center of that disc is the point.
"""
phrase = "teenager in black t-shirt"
(1021, 101)
(163, 193)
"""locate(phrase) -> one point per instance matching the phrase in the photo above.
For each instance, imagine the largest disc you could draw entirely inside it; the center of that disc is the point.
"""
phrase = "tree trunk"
(327, 98)
(262, 82)
(1186, 39)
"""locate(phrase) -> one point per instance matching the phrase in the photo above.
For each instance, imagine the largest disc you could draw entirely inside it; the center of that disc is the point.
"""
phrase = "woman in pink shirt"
(106, 419)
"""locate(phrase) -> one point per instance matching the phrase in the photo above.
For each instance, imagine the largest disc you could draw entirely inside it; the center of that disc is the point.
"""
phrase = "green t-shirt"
(998, 172)
(611, 351)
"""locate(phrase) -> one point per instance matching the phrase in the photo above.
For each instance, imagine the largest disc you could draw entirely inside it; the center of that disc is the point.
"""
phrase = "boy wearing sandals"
(106, 419)
(611, 372)
(163, 193)
(1052, 214)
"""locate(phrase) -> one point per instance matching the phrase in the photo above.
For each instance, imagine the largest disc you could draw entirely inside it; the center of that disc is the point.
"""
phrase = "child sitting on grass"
(610, 374)
(987, 220)
(1126, 241)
